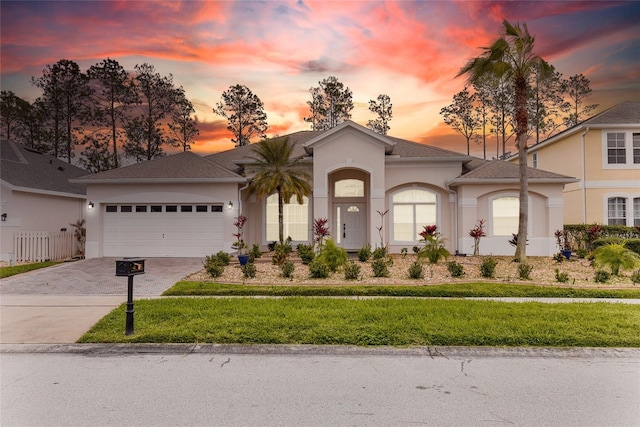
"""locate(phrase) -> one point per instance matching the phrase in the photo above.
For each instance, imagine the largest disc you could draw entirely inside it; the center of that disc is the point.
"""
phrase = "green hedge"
(585, 235)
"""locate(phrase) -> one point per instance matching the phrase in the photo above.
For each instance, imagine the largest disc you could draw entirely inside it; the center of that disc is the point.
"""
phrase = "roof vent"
(60, 168)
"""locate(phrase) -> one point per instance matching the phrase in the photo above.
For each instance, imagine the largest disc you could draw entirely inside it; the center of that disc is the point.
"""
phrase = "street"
(355, 388)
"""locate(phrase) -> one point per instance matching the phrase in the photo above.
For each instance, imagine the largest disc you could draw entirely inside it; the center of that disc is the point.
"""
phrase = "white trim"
(40, 191)
(628, 146)
(628, 205)
(391, 219)
(613, 184)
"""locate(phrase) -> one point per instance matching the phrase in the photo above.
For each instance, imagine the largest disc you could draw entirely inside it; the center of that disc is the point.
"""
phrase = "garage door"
(167, 230)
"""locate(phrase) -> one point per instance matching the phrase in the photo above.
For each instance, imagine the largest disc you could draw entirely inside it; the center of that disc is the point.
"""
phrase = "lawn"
(373, 322)
(192, 288)
(23, 268)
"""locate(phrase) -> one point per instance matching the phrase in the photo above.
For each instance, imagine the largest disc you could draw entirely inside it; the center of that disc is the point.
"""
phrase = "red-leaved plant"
(239, 244)
(477, 232)
(320, 231)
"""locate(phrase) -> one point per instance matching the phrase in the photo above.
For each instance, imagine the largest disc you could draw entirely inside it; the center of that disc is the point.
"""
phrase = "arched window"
(505, 212)
(296, 219)
(412, 209)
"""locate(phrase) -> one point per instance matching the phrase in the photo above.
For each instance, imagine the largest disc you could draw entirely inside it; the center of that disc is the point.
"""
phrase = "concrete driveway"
(58, 304)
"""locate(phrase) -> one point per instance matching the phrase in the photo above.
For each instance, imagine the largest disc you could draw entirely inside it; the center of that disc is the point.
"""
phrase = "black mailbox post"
(129, 267)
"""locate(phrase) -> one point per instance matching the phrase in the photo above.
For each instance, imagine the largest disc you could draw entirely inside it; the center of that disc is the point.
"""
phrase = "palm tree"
(276, 171)
(511, 57)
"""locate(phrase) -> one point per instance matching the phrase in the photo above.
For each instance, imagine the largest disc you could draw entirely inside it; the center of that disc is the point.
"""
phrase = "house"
(185, 204)
(35, 194)
(603, 152)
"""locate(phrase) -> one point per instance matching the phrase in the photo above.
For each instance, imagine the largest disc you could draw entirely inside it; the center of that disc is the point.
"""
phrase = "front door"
(350, 225)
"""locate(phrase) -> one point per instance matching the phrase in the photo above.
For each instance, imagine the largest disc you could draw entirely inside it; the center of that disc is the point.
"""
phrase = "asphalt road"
(481, 387)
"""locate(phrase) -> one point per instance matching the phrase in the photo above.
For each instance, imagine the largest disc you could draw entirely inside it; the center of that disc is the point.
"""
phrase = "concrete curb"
(437, 351)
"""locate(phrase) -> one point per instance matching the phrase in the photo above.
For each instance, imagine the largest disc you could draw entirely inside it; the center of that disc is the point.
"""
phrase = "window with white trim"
(616, 150)
(349, 188)
(617, 211)
(636, 148)
(636, 212)
(412, 209)
(295, 219)
(505, 214)
(620, 149)
(534, 160)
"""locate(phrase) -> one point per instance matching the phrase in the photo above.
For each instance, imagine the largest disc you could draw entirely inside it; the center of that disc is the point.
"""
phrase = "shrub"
(601, 276)
(248, 270)
(609, 240)
(616, 257)
(318, 269)
(524, 271)
(561, 276)
(488, 267)
(213, 266)
(403, 252)
(281, 252)
(635, 277)
(364, 253)
(223, 257)
(255, 252)
(380, 252)
(558, 257)
(455, 269)
(380, 269)
(333, 256)
(352, 271)
(433, 248)
(416, 271)
(632, 245)
(306, 253)
(582, 253)
(287, 269)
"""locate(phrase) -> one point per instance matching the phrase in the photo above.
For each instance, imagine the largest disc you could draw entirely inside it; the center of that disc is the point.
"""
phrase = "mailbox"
(129, 266)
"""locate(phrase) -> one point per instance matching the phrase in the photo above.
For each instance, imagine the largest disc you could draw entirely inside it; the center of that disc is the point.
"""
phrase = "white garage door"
(167, 230)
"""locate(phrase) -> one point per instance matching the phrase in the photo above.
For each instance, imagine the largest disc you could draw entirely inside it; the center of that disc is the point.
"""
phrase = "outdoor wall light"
(230, 206)
(3, 216)
(91, 205)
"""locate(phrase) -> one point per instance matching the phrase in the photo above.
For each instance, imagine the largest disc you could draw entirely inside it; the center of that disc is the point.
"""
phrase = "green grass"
(23, 268)
(186, 288)
(373, 322)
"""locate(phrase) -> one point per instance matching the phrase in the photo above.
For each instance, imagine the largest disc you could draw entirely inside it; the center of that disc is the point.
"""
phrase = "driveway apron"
(58, 304)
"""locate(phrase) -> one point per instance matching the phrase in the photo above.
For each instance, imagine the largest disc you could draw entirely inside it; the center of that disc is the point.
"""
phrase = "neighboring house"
(603, 152)
(185, 204)
(36, 194)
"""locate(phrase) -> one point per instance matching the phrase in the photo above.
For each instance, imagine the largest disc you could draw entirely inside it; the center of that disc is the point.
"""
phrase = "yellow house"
(603, 153)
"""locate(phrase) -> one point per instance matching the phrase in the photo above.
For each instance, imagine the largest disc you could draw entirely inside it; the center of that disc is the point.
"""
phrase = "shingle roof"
(26, 168)
(498, 170)
(627, 112)
(186, 166)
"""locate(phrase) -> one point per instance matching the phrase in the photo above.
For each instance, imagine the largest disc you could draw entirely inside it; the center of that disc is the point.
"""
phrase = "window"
(296, 219)
(201, 208)
(349, 188)
(216, 208)
(141, 208)
(412, 209)
(636, 212)
(617, 211)
(616, 151)
(505, 211)
(636, 148)
(534, 160)
(125, 208)
(187, 208)
(171, 208)
(112, 208)
(156, 208)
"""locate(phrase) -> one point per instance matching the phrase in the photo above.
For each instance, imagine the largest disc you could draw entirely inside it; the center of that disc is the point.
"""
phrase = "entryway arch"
(349, 195)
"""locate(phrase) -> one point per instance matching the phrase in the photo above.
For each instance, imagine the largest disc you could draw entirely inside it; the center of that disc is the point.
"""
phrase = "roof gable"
(346, 125)
(29, 169)
(501, 171)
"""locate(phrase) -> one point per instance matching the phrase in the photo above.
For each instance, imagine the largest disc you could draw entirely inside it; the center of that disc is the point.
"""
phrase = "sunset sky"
(409, 50)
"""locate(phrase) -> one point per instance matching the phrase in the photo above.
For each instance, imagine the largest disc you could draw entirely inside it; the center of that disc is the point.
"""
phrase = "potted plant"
(562, 240)
(240, 244)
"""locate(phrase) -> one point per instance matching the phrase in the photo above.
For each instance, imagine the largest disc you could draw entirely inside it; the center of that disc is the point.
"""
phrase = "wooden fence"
(37, 246)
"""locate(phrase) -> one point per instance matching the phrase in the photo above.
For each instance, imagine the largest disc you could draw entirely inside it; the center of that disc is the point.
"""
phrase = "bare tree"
(578, 90)
(244, 112)
(461, 115)
(383, 108)
(331, 104)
